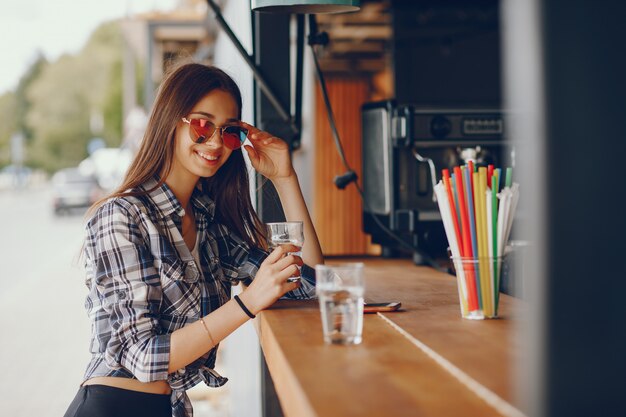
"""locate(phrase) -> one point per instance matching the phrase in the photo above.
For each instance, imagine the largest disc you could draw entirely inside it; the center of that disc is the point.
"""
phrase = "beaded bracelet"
(243, 307)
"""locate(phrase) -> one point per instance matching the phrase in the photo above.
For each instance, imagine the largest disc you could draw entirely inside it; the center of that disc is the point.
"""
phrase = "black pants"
(105, 401)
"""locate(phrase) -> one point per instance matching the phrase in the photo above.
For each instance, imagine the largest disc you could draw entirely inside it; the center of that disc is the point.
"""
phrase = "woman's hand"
(269, 155)
(270, 282)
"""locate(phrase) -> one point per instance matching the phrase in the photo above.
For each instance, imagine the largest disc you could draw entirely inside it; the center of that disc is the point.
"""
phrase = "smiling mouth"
(207, 156)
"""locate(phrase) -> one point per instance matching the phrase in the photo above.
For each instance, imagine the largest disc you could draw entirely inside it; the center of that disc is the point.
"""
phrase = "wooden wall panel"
(338, 213)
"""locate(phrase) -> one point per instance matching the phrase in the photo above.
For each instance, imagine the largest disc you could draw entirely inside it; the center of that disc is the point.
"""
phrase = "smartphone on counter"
(381, 307)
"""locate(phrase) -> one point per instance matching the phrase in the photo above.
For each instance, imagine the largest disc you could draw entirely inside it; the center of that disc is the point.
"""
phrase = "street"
(45, 330)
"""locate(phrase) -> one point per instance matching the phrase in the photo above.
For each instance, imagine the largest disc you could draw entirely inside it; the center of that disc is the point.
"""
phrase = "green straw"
(494, 234)
(509, 174)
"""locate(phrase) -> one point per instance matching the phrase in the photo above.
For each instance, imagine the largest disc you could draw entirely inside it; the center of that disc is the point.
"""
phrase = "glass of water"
(340, 291)
(286, 233)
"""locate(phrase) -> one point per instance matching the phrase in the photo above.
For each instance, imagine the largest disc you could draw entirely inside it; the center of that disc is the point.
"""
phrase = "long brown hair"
(179, 92)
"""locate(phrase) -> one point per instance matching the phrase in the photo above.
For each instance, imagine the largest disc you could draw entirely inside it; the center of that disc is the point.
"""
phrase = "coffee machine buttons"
(482, 126)
(440, 127)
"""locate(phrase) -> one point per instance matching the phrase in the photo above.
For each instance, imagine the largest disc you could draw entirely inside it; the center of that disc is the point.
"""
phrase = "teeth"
(209, 157)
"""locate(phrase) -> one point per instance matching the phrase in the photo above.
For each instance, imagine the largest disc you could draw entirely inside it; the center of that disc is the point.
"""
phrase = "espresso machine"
(405, 147)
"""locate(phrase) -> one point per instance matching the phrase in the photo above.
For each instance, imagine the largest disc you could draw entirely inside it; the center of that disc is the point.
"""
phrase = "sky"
(53, 28)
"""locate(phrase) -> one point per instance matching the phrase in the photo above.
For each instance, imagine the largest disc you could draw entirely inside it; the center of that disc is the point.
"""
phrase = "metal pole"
(299, 76)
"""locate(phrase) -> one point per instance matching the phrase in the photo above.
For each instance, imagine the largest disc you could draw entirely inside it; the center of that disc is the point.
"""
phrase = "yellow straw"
(479, 241)
(484, 261)
(462, 297)
(481, 263)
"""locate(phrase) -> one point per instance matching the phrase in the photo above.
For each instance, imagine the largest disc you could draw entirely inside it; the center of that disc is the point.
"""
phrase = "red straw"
(472, 298)
(489, 174)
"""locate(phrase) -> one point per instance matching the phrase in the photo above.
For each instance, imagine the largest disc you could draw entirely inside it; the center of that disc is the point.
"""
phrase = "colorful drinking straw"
(466, 240)
(445, 205)
(484, 258)
(489, 208)
(480, 218)
(453, 181)
(457, 231)
(478, 256)
(467, 174)
(494, 231)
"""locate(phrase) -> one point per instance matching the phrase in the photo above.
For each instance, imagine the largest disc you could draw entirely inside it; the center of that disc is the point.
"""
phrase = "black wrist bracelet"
(243, 307)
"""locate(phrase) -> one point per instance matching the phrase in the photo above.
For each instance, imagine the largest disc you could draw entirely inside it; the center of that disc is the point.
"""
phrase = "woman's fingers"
(281, 266)
(288, 267)
(251, 128)
(289, 272)
(279, 252)
(252, 154)
(261, 136)
(290, 286)
(288, 260)
(255, 134)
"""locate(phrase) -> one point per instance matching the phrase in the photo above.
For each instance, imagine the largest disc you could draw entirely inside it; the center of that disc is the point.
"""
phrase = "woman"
(162, 252)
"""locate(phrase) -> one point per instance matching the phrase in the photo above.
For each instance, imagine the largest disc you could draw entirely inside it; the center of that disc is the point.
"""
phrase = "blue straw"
(472, 221)
(456, 197)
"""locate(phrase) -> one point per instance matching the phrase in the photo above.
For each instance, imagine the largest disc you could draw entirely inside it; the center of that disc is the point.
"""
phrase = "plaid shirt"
(144, 283)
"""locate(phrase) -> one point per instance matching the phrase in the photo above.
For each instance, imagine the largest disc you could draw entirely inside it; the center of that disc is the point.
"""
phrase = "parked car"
(72, 189)
(108, 165)
(14, 176)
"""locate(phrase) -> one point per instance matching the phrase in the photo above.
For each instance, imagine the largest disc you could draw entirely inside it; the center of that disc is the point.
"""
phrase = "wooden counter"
(424, 361)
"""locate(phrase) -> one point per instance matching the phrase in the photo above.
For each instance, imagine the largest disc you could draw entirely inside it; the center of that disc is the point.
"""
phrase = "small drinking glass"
(286, 233)
(478, 282)
(340, 291)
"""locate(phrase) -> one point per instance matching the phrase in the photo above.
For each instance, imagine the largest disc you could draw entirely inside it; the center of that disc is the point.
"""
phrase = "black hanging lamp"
(305, 6)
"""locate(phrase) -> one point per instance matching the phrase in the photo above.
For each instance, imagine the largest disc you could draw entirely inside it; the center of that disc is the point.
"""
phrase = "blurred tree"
(8, 123)
(105, 48)
(112, 106)
(68, 92)
(14, 106)
(22, 102)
